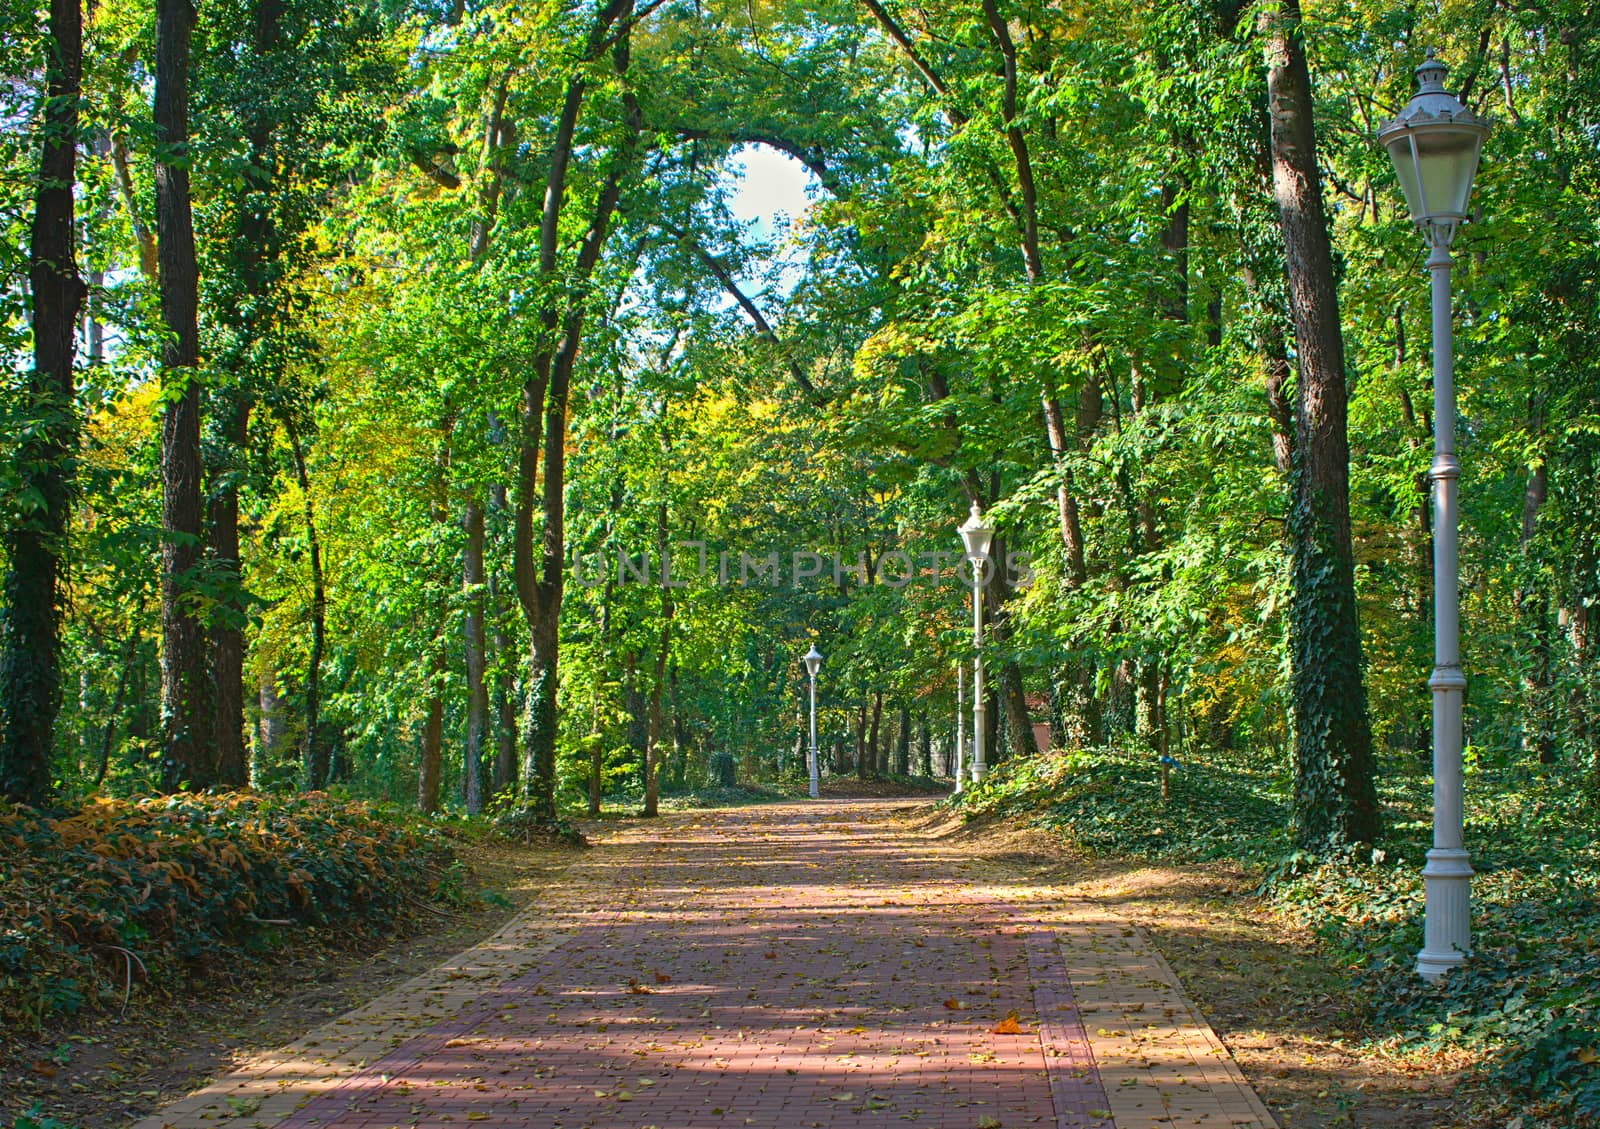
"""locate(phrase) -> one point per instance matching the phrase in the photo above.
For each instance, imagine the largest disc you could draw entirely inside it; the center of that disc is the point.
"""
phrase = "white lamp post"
(1434, 144)
(813, 660)
(976, 536)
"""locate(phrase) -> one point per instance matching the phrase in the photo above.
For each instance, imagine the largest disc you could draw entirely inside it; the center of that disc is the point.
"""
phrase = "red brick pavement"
(772, 967)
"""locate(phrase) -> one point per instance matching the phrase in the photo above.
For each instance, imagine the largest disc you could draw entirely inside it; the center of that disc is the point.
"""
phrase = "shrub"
(93, 896)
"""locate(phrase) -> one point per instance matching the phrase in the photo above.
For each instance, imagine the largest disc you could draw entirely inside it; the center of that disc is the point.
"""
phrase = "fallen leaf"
(1008, 1025)
(954, 1004)
(844, 1097)
(477, 1115)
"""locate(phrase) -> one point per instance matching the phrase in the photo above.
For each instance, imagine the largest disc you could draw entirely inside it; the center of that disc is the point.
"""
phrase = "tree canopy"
(503, 450)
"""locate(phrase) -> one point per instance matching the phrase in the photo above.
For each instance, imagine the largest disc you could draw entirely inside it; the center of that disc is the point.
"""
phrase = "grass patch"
(725, 796)
(1525, 1009)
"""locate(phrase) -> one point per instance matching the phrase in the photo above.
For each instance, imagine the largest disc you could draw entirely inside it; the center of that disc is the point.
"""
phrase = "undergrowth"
(99, 898)
(1526, 1006)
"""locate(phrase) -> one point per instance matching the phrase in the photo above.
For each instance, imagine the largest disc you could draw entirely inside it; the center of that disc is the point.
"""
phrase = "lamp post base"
(1447, 932)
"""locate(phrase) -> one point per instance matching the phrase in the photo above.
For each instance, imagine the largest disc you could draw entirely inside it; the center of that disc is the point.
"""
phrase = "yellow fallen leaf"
(845, 1097)
(1008, 1025)
(477, 1115)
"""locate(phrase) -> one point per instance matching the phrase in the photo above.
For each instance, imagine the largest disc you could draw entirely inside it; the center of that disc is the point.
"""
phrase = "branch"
(752, 311)
(434, 172)
(1019, 144)
(938, 85)
(811, 158)
(929, 75)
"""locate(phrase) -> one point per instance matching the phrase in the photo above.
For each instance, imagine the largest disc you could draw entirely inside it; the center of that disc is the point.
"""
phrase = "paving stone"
(791, 965)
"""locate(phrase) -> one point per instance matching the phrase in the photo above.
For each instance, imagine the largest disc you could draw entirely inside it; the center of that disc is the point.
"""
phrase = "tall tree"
(543, 414)
(35, 547)
(1335, 791)
(250, 305)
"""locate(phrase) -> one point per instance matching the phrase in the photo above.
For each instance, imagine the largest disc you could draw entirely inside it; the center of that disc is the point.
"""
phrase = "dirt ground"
(106, 1071)
(1285, 1016)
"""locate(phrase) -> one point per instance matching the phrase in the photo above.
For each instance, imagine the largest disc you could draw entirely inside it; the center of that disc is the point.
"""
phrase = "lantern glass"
(976, 534)
(813, 660)
(1435, 167)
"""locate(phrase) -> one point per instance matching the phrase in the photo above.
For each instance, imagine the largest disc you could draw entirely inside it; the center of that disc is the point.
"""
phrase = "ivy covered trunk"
(1335, 794)
(30, 672)
(539, 734)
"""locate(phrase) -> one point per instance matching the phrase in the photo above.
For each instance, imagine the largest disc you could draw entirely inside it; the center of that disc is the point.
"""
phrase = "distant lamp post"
(977, 535)
(1434, 144)
(813, 660)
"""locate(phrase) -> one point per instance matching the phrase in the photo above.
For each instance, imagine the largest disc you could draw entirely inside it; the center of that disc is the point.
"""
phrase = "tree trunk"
(902, 743)
(269, 729)
(878, 755)
(505, 758)
(652, 745)
(473, 631)
(185, 718)
(227, 632)
(255, 244)
(863, 765)
(428, 764)
(30, 651)
(1335, 795)
(1533, 606)
(315, 754)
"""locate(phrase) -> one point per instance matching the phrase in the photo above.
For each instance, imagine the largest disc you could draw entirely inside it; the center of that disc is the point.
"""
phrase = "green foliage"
(115, 891)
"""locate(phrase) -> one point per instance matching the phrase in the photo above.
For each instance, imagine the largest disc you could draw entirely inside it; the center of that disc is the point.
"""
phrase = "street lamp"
(813, 660)
(976, 536)
(1434, 144)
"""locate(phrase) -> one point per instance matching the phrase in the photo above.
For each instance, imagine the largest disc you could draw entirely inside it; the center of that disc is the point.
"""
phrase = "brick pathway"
(798, 965)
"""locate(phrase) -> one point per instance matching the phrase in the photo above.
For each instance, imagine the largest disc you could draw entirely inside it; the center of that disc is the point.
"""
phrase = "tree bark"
(505, 758)
(30, 651)
(269, 730)
(652, 745)
(874, 754)
(1533, 607)
(1335, 795)
(316, 754)
(428, 764)
(255, 241)
(863, 764)
(185, 718)
(227, 633)
(473, 641)
(902, 743)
